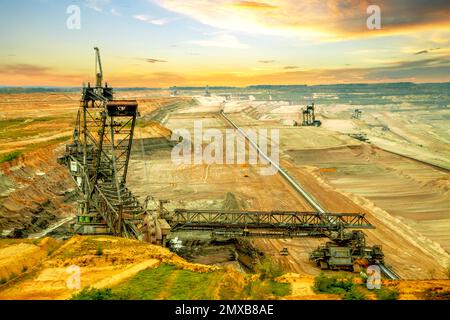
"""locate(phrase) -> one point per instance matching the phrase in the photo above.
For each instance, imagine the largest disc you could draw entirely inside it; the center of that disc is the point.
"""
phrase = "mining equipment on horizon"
(309, 116)
(357, 114)
(207, 92)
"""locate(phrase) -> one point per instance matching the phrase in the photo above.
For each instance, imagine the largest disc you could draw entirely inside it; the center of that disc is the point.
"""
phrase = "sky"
(163, 43)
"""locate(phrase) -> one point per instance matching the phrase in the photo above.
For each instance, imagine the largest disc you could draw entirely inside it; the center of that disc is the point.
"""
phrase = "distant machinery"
(359, 136)
(207, 93)
(309, 117)
(98, 159)
(357, 113)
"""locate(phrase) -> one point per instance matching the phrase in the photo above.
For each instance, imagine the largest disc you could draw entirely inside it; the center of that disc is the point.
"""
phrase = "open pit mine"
(95, 186)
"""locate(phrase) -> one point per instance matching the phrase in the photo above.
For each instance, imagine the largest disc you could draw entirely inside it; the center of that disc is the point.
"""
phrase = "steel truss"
(270, 224)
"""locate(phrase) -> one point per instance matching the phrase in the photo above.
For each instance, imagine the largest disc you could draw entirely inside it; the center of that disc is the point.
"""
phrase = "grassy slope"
(168, 282)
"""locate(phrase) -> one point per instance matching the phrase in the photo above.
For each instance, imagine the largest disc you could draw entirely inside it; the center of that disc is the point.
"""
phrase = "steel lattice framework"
(274, 223)
(98, 159)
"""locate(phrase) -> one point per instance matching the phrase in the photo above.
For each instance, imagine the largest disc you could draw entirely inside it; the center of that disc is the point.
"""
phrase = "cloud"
(23, 69)
(162, 21)
(97, 5)
(151, 60)
(151, 20)
(290, 67)
(220, 41)
(266, 61)
(254, 5)
(32, 74)
(425, 51)
(114, 12)
(313, 19)
(142, 17)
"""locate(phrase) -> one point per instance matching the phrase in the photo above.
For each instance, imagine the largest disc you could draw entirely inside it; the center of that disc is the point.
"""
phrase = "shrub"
(280, 289)
(387, 293)
(93, 294)
(99, 251)
(10, 156)
(354, 294)
(437, 293)
(339, 284)
(2, 281)
(258, 290)
(267, 269)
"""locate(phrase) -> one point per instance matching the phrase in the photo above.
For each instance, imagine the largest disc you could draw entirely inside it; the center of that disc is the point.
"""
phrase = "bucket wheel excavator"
(98, 157)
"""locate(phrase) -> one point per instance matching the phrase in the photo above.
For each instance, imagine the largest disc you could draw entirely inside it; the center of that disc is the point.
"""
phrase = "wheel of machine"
(323, 265)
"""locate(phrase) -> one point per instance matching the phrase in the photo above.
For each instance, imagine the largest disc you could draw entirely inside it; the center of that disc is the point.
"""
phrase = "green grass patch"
(31, 147)
(10, 156)
(340, 284)
(21, 128)
(7, 123)
(188, 285)
(266, 289)
(386, 293)
(164, 282)
(355, 293)
(168, 282)
(279, 289)
(93, 294)
(146, 285)
(267, 269)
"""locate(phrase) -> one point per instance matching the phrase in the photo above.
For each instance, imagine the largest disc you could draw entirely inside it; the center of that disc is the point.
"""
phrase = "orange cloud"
(22, 74)
(253, 5)
(433, 69)
(319, 20)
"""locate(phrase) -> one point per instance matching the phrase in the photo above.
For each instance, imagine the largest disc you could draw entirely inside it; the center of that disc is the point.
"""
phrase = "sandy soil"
(120, 260)
(421, 133)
